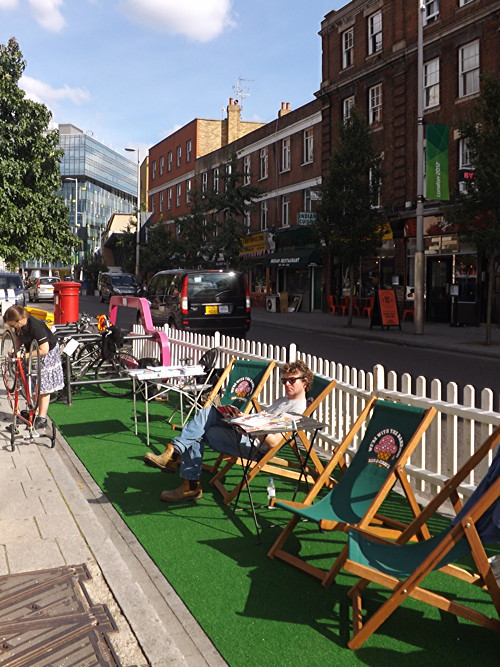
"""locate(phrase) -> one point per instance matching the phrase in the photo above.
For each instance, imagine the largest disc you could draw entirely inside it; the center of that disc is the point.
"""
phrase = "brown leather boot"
(162, 461)
(182, 493)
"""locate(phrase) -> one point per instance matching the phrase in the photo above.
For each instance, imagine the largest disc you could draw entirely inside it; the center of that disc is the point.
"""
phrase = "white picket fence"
(455, 433)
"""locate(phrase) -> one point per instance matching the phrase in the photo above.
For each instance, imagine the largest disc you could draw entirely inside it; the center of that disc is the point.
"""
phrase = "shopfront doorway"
(439, 278)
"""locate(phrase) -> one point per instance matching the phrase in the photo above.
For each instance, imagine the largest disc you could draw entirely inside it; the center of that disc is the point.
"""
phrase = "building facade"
(369, 60)
(97, 182)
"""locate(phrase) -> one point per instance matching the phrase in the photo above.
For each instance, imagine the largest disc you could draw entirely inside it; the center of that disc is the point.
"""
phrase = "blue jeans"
(208, 428)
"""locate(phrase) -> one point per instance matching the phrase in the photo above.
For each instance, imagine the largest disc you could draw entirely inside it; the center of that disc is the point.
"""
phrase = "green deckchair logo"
(387, 445)
(242, 388)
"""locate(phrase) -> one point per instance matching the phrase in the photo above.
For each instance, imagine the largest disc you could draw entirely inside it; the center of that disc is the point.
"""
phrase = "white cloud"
(201, 20)
(39, 91)
(9, 4)
(47, 14)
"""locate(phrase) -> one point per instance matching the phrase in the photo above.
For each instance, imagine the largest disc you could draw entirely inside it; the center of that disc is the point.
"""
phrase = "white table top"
(165, 372)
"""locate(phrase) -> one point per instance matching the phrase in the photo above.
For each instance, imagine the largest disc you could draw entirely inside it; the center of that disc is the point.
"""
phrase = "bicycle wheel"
(112, 376)
(33, 376)
(8, 362)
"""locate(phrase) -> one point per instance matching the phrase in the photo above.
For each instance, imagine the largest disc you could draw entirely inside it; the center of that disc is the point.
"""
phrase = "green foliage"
(348, 221)
(93, 266)
(477, 215)
(33, 219)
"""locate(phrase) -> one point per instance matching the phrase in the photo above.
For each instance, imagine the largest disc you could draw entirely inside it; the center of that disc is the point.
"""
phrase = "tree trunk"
(489, 297)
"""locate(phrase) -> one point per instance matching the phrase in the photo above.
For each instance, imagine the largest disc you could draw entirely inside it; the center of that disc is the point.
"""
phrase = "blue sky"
(133, 71)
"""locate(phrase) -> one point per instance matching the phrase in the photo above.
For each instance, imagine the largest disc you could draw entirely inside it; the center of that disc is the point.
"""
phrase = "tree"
(349, 220)
(34, 221)
(477, 213)
(228, 209)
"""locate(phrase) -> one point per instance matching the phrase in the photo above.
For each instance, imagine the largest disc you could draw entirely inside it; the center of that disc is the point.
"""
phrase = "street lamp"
(138, 231)
(419, 248)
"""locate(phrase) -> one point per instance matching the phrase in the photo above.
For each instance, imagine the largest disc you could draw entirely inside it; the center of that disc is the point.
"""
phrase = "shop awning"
(299, 259)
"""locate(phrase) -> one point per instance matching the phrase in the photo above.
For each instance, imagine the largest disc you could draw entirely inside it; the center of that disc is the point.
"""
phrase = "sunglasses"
(292, 380)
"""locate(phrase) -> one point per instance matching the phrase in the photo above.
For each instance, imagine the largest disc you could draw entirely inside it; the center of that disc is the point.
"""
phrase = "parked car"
(117, 284)
(12, 289)
(43, 288)
(202, 301)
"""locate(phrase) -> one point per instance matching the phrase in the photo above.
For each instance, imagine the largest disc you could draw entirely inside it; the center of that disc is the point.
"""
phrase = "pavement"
(52, 514)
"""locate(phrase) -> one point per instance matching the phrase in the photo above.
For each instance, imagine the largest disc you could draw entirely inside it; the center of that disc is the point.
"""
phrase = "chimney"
(285, 108)
(232, 122)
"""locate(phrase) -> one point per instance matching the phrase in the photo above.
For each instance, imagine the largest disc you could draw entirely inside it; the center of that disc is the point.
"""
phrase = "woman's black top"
(36, 330)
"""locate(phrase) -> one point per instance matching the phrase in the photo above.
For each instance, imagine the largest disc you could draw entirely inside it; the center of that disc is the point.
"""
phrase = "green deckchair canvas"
(402, 566)
(391, 435)
(271, 463)
(241, 382)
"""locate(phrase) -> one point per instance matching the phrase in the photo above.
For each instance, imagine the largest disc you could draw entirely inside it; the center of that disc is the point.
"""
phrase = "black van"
(201, 301)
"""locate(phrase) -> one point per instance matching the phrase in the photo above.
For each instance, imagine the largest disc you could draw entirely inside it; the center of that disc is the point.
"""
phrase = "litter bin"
(66, 302)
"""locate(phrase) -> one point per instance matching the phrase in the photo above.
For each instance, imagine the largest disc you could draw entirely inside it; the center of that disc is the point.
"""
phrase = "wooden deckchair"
(402, 566)
(273, 464)
(392, 433)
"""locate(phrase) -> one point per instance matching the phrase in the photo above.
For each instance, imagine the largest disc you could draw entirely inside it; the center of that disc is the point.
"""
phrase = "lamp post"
(138, 231)
(419, 249)
(75, 180)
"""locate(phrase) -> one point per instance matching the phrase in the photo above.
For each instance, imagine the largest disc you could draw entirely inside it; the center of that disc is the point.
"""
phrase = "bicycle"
(110, 374)
(21, 373)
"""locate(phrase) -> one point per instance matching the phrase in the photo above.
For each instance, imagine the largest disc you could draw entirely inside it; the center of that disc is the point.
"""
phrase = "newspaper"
(267, 421)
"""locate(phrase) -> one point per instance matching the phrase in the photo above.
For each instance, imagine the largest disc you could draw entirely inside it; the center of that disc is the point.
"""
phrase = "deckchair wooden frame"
(270, 462)
(409, 586)
(372, 520)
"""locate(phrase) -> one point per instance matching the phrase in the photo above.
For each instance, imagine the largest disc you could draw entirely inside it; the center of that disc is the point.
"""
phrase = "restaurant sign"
(254, 245)
(307, 218)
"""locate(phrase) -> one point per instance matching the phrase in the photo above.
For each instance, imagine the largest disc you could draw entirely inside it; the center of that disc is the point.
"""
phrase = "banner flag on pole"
(436, 162)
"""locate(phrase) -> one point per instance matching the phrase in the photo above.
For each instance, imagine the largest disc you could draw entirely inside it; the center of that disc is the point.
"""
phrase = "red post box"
(66, 302)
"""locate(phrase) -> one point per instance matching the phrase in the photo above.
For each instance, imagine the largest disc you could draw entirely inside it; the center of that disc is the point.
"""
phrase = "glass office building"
(96, 182)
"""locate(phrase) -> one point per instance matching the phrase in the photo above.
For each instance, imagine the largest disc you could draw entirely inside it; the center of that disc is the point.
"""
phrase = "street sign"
(307, 218)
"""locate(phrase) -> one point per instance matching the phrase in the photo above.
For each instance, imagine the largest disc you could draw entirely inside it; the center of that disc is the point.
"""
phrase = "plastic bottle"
(271, 492)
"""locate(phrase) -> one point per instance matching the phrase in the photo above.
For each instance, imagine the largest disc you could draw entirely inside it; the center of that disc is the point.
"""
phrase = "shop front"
(254, 250)
(297, 273)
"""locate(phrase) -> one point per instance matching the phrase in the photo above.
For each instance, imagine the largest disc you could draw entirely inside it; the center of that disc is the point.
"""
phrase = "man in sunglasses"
(209, 428)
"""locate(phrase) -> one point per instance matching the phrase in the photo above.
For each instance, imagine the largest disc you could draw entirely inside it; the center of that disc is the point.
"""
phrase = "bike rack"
(143, 306)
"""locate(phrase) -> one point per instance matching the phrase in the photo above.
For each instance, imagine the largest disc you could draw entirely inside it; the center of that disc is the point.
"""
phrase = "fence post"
(292, 353)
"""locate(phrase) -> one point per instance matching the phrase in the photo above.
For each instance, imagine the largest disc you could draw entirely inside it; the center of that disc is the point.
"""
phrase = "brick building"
(283, 159)
(369, 59)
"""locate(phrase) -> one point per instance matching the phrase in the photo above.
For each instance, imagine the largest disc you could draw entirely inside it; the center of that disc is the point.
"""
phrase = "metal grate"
(47, 620)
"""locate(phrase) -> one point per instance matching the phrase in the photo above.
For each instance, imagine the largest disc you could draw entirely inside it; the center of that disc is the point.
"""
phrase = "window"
(246, 170)
(347, 106)
(285, 210)
(169, 198)
(431, 10)
(468, 64)
(188, 191)
(375, 104)
(307, 200)
(153, 204)
(189, 150)
(215, 180)
(204, 181)
(263, 162)
(169, 161)
(375, 32)
(431, 83)
(178, 195)
(347, 48)
(375, 187)
(464, 163)
(153, 170)
(228, 171)
(179, 155)
(462, 3)
(161, 201)
(285, 154)
(246, 219)
(162, 165)
(308, 145)
(263, 215)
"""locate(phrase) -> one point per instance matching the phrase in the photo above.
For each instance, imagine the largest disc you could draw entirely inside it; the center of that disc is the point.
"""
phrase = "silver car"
(42, 289)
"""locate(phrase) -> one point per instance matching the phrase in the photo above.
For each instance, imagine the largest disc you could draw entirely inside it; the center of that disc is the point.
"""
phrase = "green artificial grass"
(255, 610)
